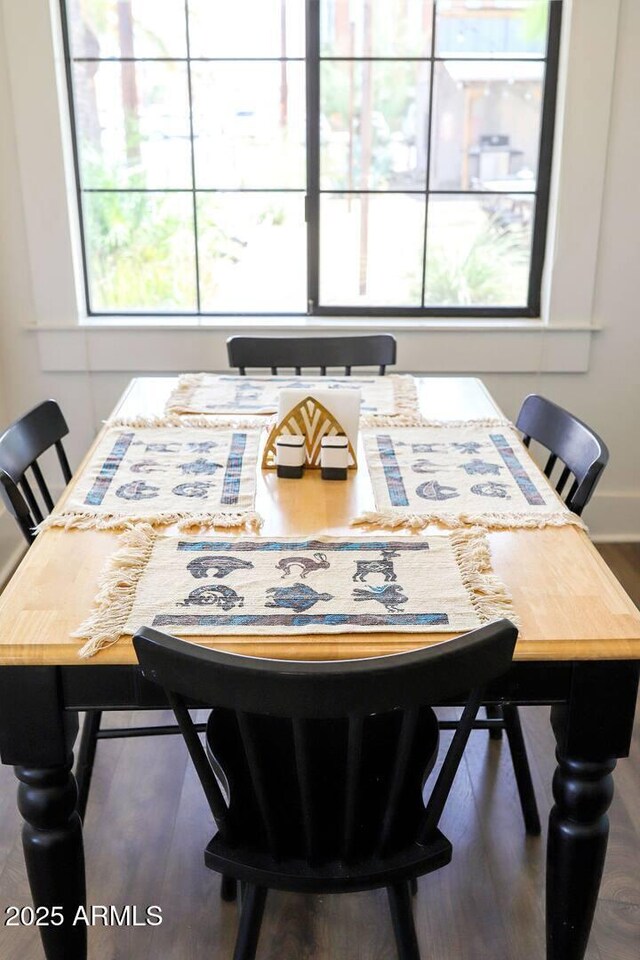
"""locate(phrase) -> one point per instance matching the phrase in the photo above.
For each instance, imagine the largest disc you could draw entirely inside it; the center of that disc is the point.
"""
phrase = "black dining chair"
(377, 350)
(22, 444)
(348, 352)
(314, 771)
(577, 451)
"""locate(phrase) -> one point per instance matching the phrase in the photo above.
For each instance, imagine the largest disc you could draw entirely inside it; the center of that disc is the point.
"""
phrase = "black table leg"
(37, 736)
(53, 853)
(591, 732)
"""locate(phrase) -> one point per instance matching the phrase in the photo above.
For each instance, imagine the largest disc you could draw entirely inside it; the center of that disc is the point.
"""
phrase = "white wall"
(606, 392)
(608, 396)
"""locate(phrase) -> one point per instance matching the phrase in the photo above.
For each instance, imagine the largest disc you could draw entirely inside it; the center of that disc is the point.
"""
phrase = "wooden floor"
(144, 843)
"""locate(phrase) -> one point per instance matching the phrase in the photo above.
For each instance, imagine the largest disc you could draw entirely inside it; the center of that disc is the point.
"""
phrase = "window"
(333, 157)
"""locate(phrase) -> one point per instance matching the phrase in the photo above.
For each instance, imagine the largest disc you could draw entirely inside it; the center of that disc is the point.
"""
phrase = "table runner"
(389, 396)
(457, 474)
(276, 586)
(193, 476)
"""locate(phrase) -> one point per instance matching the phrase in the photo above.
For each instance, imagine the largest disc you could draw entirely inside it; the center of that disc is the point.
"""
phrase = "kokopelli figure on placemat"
(383, 566)
(306, 564)
(223, 566)
(210, 596)
(137, 490)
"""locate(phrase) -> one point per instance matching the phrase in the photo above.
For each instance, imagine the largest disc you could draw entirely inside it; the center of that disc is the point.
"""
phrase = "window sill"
(355, 325)
(159, 345)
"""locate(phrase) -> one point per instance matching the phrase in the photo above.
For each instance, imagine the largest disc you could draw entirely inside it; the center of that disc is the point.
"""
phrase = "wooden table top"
(570, 605)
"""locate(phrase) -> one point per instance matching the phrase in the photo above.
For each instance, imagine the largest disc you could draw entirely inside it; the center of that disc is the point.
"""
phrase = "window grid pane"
(452, 101)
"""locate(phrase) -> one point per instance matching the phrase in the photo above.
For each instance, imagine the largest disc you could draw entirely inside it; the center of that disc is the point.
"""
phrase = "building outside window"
(332, 157)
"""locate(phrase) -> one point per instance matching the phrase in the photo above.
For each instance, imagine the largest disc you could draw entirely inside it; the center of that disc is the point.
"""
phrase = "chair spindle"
(301, 747)
(450, 766)
(42, 486)
(64, 463)
(257, 779)
(564, 476)
(354, 755)
(403, 754)
(204, 770)
(36, 512)
(551, 462)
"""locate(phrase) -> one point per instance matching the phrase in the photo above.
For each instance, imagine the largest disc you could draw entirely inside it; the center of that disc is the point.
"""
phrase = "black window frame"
(313, 190)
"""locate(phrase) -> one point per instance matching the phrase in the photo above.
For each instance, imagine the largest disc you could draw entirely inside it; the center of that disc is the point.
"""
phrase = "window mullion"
(193, 160)
(545, 157)
(428, 152)
(312, 200)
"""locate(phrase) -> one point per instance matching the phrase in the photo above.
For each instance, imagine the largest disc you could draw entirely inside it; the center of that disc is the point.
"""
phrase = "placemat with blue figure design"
(214, 586)
(163, 475)
(390, 396)
(458, 474)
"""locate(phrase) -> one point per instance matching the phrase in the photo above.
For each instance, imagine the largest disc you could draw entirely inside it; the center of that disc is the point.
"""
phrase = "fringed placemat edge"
(210, 421)
(76, 520)
(372, 422)
(181, 394)
(117, 591)
(397, 520)
(488, 594)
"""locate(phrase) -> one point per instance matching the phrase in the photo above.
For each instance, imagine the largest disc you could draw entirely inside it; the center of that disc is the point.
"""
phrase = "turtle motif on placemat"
(200, 465)
(299, 597)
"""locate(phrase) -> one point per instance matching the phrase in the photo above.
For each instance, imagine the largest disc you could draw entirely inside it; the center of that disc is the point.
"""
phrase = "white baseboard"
(614, 517)
(615, 538)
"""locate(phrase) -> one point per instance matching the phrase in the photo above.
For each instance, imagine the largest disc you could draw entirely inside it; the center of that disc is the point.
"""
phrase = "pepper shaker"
(290, 456)
(334, 457)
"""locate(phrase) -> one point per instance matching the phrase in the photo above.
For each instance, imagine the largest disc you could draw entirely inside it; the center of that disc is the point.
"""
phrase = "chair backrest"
(378, 350)
(325, 760)
(582, 454)
(20, 447)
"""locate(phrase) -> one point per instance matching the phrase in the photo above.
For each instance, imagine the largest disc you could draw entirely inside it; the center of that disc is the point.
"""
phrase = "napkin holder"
(308, 418)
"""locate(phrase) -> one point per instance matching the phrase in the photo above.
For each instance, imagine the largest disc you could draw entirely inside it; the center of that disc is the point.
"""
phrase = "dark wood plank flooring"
(145, 837)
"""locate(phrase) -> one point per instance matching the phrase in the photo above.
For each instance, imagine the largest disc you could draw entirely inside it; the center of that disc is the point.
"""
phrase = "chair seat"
(330, 877)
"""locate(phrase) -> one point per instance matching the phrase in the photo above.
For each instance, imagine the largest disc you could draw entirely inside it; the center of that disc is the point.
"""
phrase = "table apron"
(124, 687)
(28, 693)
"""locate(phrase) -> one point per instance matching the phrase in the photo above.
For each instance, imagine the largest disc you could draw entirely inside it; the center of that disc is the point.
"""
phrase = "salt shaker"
(290, 456)
(334, 457)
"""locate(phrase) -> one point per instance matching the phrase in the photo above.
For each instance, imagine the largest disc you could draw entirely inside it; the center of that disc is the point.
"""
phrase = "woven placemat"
(457, 474)
(274, 587)
(193, 475)
(390, 396)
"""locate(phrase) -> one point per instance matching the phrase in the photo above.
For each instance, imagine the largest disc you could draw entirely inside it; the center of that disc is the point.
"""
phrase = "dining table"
(578, 651)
